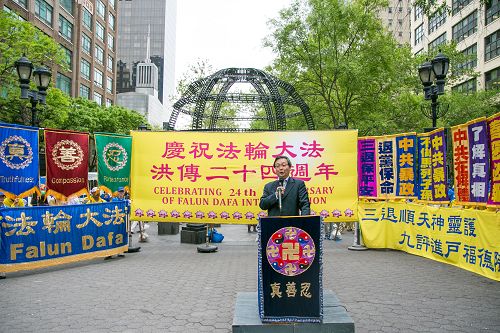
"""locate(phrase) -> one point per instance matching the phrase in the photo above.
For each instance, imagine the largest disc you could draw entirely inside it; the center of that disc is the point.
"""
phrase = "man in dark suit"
(294, 197)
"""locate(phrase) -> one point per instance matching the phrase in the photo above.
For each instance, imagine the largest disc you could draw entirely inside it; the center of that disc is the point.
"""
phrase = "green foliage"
(349, 69)
(61, 111)
(87, 116)
(19, 37)
(465, 107)
(340, 59)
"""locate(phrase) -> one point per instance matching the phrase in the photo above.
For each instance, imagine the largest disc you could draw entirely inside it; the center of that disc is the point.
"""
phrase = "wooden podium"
(290, 287)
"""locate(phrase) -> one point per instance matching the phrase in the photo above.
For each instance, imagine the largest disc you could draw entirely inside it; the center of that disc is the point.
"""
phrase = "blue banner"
(406, 156)
(35, 237)
(18, 159)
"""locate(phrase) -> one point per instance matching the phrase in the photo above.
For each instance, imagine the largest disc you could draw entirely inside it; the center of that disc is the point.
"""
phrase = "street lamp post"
(433, 76)
(42, 78)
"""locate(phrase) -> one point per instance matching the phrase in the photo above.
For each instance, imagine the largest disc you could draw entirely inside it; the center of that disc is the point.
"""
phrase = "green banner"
(114, 153)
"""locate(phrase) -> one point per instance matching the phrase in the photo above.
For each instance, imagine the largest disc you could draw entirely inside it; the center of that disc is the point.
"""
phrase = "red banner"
(67, 161)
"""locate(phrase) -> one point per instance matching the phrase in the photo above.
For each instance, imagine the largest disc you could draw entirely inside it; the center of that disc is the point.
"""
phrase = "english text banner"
(198, 176)
(18, 160)
(67, 159)
(114, 153)
(35, 237)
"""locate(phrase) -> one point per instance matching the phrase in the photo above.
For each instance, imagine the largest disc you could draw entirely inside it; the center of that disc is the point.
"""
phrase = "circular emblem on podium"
(290, 251)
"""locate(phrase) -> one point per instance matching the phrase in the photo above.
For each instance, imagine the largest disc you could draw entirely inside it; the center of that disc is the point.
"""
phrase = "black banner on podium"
(290, 269)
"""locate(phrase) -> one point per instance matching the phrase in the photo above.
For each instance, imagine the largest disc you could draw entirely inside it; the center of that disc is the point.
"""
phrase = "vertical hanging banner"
(479, 160)
(406, 159)
(198, 176)
(67, 162)
(395, 156)
(386, 167)
(114, 153)
(461, 163)
(494, 136)
(367, 168)
(471, 162)
(432, 173)
(18, 160)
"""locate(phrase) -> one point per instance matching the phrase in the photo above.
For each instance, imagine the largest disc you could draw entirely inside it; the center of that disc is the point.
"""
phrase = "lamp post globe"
(432, 74)
(42, 77)
(426, 74)
(440, 66)
(24, 68)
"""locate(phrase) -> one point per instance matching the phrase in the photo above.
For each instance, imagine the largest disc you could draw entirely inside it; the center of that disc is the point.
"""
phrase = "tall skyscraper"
(86, 30)
(135, 19)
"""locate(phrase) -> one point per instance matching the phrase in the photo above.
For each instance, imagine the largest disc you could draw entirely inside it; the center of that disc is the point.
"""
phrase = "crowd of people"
(42, 199)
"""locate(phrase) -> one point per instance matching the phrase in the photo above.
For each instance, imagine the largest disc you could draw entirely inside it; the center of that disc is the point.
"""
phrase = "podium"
(290, 287)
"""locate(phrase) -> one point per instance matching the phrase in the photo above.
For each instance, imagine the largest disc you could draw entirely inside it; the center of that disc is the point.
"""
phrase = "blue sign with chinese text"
(34, 237)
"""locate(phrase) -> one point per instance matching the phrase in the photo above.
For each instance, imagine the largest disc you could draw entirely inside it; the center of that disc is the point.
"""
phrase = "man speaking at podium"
(285, 196)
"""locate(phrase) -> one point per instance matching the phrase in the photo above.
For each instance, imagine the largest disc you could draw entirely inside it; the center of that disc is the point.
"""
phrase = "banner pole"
(131, 249)
(357, 246)
(207, 248)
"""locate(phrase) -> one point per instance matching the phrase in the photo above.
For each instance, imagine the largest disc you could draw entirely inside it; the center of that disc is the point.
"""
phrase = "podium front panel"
(290, 269)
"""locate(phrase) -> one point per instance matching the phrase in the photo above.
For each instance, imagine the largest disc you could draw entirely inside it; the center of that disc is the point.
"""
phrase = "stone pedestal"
(167, 228)
(246, 317)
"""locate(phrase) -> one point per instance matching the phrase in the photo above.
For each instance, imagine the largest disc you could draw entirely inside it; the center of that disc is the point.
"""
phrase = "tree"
(339, 58)
(17, 38)
(349, 69)
(87, 116)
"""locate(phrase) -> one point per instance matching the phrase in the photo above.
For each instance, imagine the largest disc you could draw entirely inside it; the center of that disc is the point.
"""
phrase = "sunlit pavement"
(169, 287)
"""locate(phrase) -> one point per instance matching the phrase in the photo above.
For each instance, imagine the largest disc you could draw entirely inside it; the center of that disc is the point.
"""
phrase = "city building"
(144, 96)
(136, 18)
(87, 32)
(475, 26)
(396, 17)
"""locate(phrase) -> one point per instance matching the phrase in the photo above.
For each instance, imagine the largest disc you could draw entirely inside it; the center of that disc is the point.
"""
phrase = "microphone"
(281, 180)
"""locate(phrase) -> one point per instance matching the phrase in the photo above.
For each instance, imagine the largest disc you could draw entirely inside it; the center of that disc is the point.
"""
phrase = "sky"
(226, 33)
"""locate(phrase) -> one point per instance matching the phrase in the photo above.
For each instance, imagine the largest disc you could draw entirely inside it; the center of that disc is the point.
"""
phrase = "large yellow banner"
(467, 238)
(219, 177)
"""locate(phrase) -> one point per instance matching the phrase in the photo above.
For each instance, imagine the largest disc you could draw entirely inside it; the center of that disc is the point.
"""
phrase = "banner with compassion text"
(466, 238)
(18, 160)
(202, 176)
(36, 237)
(67, 160)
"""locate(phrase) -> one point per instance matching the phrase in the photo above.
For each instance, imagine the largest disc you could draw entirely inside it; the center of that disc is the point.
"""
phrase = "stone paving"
(169, 287)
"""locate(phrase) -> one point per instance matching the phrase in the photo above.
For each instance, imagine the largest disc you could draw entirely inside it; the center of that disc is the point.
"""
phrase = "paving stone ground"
(169, 287)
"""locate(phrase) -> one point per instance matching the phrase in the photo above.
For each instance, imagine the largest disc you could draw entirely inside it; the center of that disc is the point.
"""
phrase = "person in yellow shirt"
(95, 196)
(8, 202)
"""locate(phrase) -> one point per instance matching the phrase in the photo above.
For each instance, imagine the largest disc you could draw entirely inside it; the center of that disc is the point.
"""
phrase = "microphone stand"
(280, 194)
